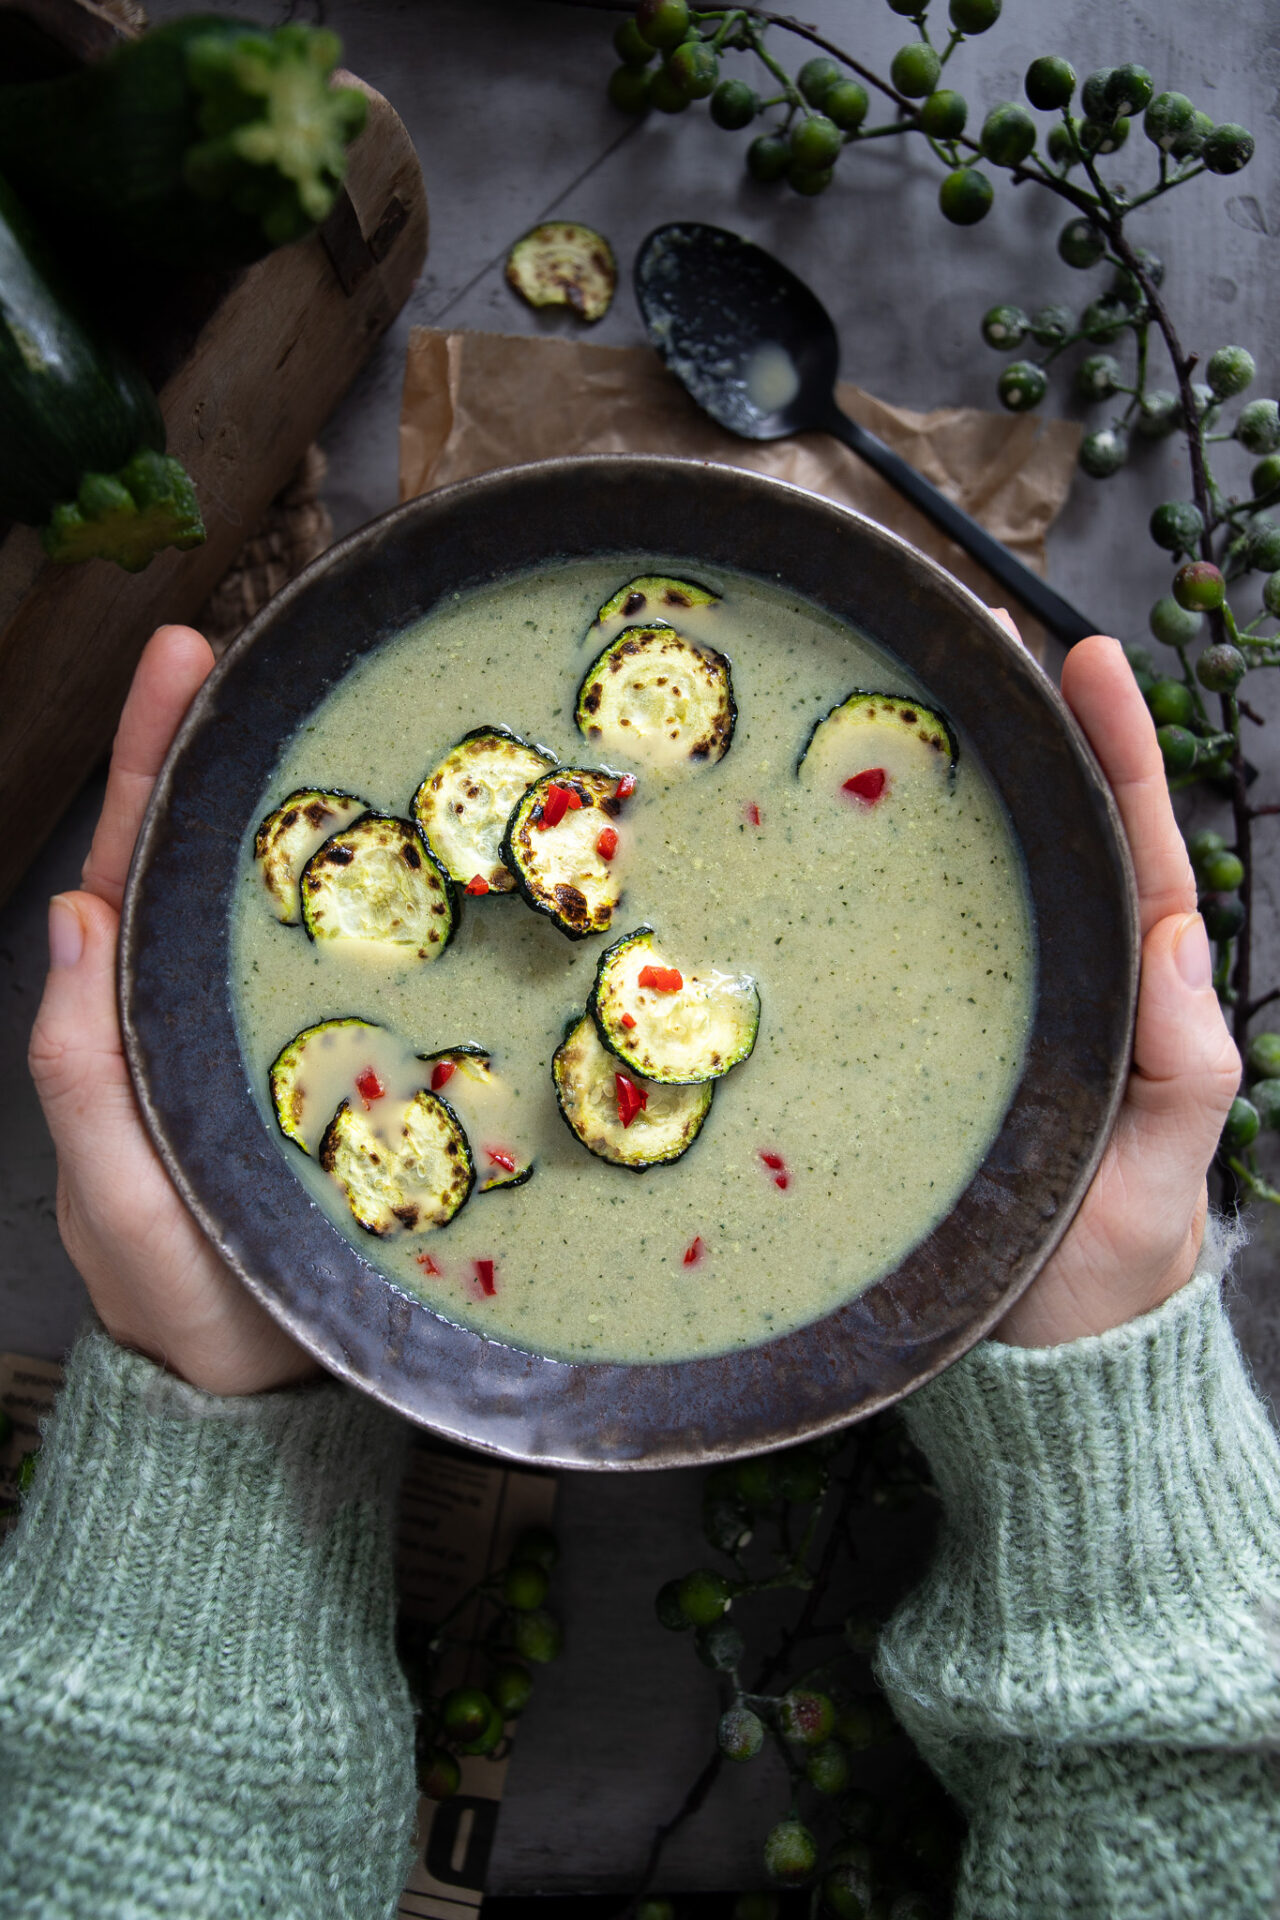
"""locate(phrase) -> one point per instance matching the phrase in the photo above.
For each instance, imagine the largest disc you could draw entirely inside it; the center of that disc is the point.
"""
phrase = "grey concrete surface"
(506, 105)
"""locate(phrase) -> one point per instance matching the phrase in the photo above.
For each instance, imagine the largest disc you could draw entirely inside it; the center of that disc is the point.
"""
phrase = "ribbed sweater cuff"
(193, 1519)
(1106, 1502)
(200, 1706)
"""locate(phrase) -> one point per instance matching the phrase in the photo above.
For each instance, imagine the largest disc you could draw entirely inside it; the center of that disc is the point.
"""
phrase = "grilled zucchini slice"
(559, 868)
(462, 808)
(874, 746)
(586, 1082)
(288, 837)
(564, 264)
(402, 1173)
(676, 1035)
(485, 1105)
(659, 699)
(314, 1072)
(653, 599)
(379, 881)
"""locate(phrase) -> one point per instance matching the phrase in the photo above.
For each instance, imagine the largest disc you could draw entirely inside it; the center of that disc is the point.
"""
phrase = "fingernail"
(1192, 955)
(66, 934)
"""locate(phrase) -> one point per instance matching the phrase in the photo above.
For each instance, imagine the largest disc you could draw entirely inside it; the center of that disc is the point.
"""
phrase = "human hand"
(156, 1282)
(1137, 1235)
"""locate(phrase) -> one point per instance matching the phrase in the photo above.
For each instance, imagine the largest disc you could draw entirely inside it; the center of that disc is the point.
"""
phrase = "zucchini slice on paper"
(659, 699)
(462, 808)
(586, 1081)
(876, 745)
(652, 599)
(667, 1024)
(487, 1108)
(555, 854)
(401, 1172)
(564, 264)
(315, 1072)
(288, 837)
(378, 881)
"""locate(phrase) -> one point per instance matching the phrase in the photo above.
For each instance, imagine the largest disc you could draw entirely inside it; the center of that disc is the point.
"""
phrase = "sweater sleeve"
(1092, 1663)
(201, 1711)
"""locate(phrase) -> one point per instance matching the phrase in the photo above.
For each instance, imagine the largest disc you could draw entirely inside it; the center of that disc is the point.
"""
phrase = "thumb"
(1185, 1065)
(75, 1053)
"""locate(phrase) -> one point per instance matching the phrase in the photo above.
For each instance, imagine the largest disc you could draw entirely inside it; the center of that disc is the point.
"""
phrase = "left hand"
(1137, 1235)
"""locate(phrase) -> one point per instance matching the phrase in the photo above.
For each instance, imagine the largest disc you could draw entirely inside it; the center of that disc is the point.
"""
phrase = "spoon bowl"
(757, 350)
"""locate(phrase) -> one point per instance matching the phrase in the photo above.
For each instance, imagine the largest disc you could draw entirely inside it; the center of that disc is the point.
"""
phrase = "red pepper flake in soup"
(868, 786)
(778, 1168)
(631, 1098)
(499, 1157)
(753, 815)
(369, 1087)
(441, 1074)
(694, 1251)
(428, 1265)
(661, 979)
(484, 1278)
(607, 842)
(477, 884)
(626, 786)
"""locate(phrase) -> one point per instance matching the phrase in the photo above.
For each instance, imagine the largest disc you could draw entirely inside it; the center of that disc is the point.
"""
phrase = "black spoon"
(758, 351)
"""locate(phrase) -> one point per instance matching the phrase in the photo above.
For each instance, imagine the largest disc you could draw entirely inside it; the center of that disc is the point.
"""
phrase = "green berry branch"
(1216, 623)
(502, 1621)
(788, 1523)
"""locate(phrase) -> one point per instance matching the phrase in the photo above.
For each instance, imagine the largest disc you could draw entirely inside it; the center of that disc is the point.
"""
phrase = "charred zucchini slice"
(554, 849)
(653, 599)
(484, 1102)
(586, 1082)
(400, 1173)
(315, 1072)
(288, 837)
(564, 264)
(654, 696)
(670, 1025)
(378, 881)
(462, 808)
(874, 746)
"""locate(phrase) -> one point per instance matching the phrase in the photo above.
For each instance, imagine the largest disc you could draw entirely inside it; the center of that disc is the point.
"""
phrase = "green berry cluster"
(672, 55)
(520, 1634)
(771, 1518)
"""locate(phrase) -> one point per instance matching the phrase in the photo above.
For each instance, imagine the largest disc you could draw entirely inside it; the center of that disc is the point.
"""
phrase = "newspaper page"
(459, 1517)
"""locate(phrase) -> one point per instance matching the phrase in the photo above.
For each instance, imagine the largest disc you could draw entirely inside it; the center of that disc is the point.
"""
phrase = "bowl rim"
(692, 1447)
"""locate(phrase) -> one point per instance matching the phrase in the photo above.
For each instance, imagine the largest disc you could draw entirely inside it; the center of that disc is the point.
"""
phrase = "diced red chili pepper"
(441, 1074)
(556, 804)
(867, 786)
(774, 1161)
(428, 1265)
(628, 1021)
(607, 843)
(782, 1180)
(501, 1158)
(752, 812)
(477, 884)
(573, 799)
(484, 1275)
(626, 786)
(631, 1098)
(369, 1087)
(662, 979)
(694, 1251)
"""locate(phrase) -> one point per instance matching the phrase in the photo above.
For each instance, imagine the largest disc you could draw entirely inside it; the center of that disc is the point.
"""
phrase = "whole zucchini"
(81, 433)
(205, 142)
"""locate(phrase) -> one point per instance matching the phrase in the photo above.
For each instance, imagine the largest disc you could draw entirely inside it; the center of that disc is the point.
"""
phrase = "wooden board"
(265, 370)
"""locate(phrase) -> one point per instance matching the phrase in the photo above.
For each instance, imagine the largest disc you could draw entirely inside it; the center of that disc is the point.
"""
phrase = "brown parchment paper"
(474, 401)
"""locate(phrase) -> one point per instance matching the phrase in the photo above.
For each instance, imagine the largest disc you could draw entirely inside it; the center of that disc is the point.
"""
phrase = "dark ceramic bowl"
(181, 1038)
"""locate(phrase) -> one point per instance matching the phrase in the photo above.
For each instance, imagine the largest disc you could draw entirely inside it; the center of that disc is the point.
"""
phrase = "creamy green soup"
(892, 945)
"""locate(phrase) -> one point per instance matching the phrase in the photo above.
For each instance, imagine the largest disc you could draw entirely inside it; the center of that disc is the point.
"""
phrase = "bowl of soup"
(630, 963)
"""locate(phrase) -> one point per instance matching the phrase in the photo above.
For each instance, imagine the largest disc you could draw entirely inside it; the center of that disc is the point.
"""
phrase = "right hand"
(1136, 1238)
(155, 1280)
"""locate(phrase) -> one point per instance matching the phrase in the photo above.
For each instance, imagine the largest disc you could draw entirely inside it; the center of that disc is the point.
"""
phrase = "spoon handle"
(1061, 618)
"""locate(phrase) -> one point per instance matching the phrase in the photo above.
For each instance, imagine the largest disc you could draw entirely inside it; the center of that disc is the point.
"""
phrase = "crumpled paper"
(475, 401)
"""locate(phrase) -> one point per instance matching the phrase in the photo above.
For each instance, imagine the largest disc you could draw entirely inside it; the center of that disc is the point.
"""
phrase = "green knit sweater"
(201, 1714)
